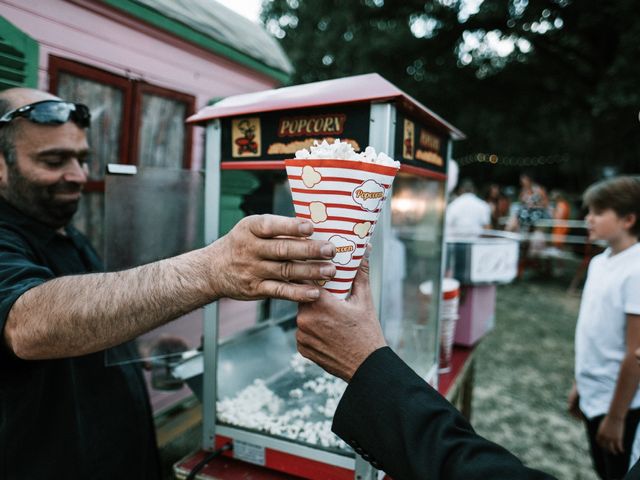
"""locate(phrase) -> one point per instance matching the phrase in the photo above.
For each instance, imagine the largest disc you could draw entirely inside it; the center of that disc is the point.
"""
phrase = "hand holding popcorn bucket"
(343, 198)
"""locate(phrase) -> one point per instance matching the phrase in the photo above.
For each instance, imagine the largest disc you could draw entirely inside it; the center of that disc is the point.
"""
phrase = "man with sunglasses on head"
(63, 413)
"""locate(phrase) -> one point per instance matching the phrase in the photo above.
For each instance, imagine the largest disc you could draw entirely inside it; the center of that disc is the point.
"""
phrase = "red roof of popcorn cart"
(361, 88)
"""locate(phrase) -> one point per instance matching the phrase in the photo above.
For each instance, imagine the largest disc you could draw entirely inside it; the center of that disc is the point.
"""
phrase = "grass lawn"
(524, 371)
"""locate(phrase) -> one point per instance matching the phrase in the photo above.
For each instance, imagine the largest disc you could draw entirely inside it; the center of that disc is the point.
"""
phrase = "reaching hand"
(339, 334)
(259, 257)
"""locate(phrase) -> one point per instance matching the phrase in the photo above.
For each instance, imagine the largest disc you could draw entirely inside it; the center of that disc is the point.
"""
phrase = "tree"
(550, 84)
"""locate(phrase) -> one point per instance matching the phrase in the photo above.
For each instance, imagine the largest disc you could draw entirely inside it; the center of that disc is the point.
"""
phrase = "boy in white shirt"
(605, 393)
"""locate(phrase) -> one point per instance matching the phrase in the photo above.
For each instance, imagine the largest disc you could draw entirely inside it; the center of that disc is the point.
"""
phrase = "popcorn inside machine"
(257, 392)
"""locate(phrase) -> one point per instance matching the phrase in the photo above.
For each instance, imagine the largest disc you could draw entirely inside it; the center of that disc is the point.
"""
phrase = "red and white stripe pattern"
(343, 208)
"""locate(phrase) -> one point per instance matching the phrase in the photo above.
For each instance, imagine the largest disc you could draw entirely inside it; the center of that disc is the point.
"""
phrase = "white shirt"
(467, 215)
(612, 291)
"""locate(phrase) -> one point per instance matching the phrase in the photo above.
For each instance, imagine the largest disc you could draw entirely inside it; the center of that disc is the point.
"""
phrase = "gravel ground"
(524, 371)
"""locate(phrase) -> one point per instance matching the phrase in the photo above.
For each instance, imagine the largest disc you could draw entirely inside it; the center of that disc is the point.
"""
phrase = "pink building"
(142, 66)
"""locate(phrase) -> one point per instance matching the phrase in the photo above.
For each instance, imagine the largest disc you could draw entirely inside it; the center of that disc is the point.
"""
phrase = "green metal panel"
(18, 57)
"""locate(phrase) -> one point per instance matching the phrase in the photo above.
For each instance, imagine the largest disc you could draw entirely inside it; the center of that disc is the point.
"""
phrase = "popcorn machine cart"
(256, 391)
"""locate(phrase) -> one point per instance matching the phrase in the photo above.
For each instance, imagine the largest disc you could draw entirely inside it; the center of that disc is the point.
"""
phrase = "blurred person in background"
(533, 204)
(467, 214)
(499, 204)
(561, 213)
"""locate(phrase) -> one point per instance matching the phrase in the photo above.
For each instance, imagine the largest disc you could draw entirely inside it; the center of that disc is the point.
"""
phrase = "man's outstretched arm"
(80, 314)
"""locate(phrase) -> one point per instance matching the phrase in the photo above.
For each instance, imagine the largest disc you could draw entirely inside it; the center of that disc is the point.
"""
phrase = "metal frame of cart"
(394, 121)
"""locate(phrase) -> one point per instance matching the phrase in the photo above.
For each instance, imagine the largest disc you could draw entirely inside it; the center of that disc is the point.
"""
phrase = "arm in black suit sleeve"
(403, 426)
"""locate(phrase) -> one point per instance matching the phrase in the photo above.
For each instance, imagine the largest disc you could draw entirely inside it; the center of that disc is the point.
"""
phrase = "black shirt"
(72, 418)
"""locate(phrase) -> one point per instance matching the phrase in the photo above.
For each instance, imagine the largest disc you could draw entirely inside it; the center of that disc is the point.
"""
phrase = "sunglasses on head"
(51, 112)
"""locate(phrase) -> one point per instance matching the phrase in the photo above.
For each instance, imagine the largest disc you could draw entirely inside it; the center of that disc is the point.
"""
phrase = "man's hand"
(339, 334)
(258, 259)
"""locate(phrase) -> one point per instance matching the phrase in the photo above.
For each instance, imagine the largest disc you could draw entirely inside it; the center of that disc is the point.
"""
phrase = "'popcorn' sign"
(369, 195)
(344, 249)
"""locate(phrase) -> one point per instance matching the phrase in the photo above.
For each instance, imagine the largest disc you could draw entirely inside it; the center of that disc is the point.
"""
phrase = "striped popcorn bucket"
(343, 199)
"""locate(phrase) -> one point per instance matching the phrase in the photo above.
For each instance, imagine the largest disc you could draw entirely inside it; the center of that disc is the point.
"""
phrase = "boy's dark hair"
(620, 194)
(7, 134)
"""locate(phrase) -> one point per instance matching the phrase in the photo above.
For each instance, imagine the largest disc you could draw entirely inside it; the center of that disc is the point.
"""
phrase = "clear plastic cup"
(447, 334)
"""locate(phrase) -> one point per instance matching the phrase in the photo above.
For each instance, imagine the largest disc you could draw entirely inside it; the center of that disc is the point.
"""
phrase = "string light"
(495, 159)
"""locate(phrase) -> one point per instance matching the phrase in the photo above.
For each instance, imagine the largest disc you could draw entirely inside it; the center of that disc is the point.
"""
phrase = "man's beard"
(40, 202)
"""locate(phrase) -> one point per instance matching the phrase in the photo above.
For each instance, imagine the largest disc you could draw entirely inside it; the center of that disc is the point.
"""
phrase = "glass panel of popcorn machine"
(264, 385)
(412, 270)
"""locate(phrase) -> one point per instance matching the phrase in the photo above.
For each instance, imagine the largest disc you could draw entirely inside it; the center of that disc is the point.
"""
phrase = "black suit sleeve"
(399, 423)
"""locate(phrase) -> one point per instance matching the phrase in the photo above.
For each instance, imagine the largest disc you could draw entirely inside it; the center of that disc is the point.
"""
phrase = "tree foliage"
(553, 84)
